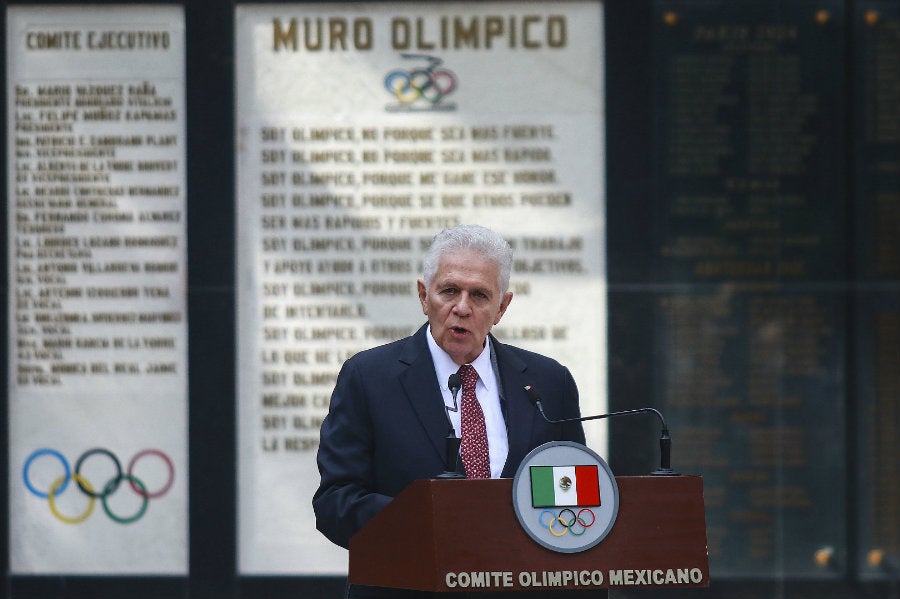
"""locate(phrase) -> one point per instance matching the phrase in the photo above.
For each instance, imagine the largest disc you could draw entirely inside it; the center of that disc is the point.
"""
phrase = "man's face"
(463, 303)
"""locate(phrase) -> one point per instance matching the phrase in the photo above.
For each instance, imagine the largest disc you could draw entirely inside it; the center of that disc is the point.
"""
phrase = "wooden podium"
(463, 535)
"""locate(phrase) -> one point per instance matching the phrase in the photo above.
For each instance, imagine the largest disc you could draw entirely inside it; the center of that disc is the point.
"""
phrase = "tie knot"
(468, 374)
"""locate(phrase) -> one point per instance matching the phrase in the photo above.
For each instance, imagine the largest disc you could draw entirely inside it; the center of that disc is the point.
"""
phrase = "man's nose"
(463, 305)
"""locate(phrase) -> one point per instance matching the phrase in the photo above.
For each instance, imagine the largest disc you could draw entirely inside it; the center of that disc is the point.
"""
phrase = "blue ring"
(541, 518)
(38, 453)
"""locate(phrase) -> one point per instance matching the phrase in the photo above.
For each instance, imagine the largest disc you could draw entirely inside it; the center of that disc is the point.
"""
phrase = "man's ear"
(504, 304)
(423, 293)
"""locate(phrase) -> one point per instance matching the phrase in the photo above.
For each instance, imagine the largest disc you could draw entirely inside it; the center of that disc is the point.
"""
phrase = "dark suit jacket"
(386, 425)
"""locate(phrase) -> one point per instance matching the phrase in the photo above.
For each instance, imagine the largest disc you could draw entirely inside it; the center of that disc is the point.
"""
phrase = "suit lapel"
(422, 390)
(517, 409)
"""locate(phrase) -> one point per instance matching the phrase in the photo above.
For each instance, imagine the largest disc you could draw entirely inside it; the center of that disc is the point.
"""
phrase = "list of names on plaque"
(752, 337)
(96, 233)
(96, 222)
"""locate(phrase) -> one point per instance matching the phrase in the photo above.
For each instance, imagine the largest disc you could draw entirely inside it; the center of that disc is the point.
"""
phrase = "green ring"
(115, 481)
(583, 528)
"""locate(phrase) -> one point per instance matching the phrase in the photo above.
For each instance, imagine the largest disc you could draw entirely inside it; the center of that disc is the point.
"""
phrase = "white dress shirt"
(487, 392)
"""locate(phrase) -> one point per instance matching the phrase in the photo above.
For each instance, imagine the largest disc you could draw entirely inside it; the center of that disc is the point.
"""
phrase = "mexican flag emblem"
(564, 486)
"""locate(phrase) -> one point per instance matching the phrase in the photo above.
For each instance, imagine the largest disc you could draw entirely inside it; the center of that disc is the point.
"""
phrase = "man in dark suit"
(391, 407)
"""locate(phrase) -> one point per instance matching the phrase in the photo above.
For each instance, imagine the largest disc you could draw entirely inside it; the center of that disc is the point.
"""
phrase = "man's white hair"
(488, 244)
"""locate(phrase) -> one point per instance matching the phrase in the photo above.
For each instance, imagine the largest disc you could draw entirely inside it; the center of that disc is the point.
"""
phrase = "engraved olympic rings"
(60, 484)
(427, 83)
(568, 520)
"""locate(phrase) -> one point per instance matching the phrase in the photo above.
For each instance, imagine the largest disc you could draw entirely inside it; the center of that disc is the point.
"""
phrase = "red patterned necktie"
(474, 446)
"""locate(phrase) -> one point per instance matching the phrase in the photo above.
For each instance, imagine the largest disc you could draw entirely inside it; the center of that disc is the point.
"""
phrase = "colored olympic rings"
(568, 520)
(428, 84)
(112, 485)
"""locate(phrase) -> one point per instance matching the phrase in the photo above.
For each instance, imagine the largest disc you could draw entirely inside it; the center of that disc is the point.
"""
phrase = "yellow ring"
(52, 492)
(550, 528)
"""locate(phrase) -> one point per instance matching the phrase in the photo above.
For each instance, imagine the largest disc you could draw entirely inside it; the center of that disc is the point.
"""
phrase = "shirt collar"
(444, 365)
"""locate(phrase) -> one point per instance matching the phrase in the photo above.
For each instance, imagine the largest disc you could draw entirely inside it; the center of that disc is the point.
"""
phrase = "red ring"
(166, 487)
(593, 517)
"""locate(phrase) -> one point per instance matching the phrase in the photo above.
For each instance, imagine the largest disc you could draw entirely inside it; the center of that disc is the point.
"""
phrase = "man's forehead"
(467, 271)
(469, 258)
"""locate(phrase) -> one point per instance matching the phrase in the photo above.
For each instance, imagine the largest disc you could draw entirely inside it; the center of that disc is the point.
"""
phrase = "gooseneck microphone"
(452, 441)
(454, 383)
(665, 442)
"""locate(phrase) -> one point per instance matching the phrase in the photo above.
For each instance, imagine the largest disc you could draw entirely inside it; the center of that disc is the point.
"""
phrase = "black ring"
(114, 482)
(571, 522)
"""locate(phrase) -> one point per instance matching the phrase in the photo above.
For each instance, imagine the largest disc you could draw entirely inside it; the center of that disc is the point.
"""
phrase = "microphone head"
(532, 394)
(455, 381)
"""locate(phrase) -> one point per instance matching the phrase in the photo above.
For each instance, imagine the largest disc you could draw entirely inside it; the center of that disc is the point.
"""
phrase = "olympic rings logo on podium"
(60, 484)
(576, 524)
